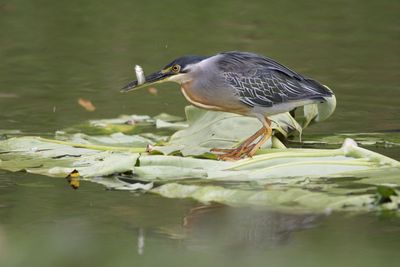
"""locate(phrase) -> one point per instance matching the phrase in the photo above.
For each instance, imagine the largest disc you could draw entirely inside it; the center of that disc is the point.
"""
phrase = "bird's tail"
(326, 108)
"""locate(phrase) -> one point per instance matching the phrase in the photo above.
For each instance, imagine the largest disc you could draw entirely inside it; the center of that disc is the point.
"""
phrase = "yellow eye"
(176, 68)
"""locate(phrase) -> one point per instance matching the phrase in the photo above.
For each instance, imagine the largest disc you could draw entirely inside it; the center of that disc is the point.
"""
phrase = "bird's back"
(262, 82)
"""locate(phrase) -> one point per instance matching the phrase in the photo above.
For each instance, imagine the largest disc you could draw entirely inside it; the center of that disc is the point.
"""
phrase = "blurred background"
(54, 52)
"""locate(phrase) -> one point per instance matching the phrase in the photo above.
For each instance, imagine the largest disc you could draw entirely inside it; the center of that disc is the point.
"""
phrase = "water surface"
(53, 53)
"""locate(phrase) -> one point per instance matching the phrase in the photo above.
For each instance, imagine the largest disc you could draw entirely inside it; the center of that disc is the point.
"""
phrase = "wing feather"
(260, 81)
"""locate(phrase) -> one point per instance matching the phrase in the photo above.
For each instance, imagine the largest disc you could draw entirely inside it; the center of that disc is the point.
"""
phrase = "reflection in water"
(79, 228)
(3, 249)
(140, 241)
(210, 227)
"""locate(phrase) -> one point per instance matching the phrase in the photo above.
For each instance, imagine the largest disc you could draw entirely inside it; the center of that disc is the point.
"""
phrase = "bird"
(244, 83)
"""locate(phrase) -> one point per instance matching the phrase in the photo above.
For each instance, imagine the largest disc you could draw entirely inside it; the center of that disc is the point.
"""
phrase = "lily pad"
(349, 178)
(384, 140)
(39, 156)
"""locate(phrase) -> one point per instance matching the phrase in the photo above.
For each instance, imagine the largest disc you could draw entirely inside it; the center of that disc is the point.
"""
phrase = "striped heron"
(244, 83)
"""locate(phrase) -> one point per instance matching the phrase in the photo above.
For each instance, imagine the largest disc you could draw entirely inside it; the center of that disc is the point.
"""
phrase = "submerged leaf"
(384, 194)
(289, 199)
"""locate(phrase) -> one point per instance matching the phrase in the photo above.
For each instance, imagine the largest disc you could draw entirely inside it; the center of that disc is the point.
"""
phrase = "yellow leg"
(243, 145)
(247, 148)
(267, 134)
(240, 151)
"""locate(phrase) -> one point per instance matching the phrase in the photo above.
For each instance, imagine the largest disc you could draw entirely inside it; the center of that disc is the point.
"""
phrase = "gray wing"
(259, 81)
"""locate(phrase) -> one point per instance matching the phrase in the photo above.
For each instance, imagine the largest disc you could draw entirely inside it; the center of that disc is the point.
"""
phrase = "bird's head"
(178, 71)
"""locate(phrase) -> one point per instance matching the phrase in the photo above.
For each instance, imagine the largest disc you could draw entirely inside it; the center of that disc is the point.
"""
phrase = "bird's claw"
(234, 154)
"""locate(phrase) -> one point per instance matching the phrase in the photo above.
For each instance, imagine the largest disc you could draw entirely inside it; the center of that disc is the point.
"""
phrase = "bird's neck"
(196, 99)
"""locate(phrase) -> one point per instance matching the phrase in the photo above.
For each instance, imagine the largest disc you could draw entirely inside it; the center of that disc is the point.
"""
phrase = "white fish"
(139, 75)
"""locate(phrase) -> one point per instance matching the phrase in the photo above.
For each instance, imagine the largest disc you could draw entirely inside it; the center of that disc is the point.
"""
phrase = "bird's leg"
(266, 135)
(244, 149)
(247, 148)
(242, 146)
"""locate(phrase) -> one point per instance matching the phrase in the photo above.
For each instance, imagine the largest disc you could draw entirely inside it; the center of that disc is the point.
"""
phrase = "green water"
(54, 52)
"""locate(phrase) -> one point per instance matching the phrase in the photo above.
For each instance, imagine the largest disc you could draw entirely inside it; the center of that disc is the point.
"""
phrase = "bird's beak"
(157, 77)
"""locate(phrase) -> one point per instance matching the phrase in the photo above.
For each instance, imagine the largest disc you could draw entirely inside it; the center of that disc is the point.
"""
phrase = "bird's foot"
(227, 154)
(247, 148)
(233, 154)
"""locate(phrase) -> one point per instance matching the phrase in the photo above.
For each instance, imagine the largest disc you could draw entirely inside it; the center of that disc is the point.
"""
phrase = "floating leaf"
(86, 104)
(54, 158)
(349, 178)
(385, 140)
(115, 139)
(168, 117)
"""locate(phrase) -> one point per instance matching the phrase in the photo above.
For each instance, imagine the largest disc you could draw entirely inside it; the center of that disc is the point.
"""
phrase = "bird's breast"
(197, 99)
(212, 99)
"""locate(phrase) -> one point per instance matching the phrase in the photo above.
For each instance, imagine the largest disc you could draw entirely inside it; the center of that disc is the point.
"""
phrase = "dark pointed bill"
(153, 78)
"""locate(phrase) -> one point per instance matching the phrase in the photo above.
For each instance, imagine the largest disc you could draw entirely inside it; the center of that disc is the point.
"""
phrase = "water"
(53, 53)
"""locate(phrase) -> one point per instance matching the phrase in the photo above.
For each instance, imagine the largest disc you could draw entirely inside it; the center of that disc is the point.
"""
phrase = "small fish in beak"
(139, 75)
(143, 81)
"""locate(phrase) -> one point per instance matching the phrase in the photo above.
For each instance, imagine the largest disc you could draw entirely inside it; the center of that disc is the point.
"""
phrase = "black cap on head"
(185, 60)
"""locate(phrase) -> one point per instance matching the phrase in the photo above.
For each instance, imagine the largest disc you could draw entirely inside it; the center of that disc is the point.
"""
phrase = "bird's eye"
(176, 68)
